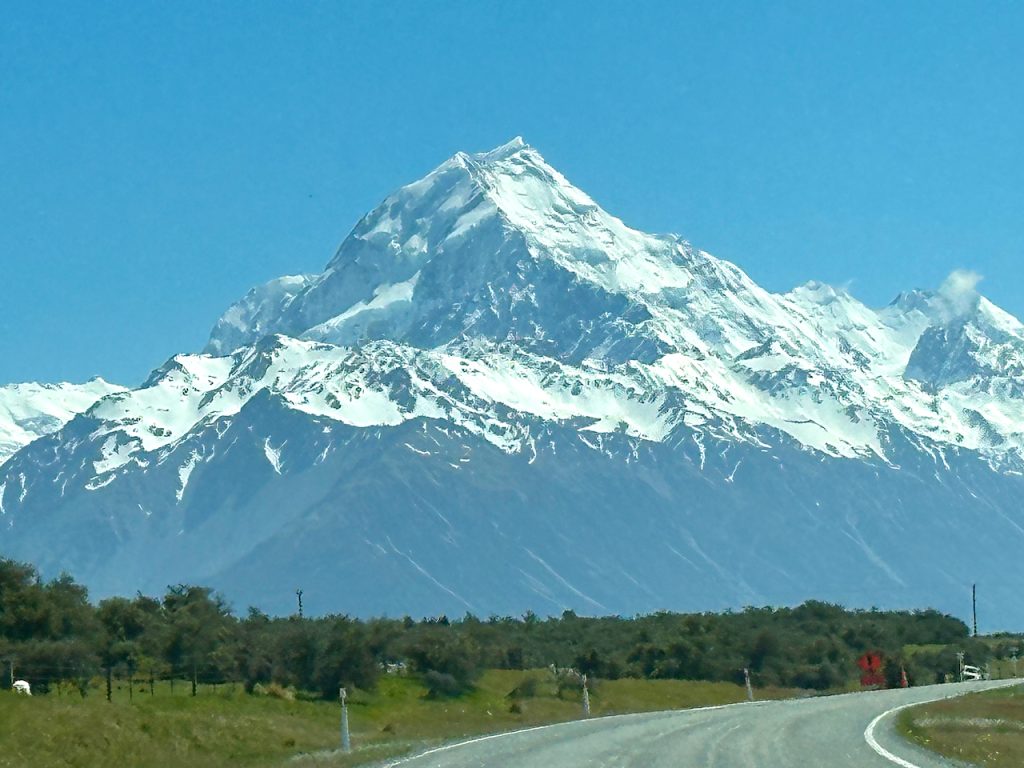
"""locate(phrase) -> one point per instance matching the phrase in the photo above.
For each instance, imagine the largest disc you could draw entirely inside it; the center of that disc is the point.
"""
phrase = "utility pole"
(298, 594)
(974, 606)
(346, 742)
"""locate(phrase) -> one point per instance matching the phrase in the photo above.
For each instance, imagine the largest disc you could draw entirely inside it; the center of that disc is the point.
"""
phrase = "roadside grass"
(398, 719)
(213, 729)
(986, 729)
(225, 726)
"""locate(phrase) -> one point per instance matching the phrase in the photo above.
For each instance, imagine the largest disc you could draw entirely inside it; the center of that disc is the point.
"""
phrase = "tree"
(345, 659)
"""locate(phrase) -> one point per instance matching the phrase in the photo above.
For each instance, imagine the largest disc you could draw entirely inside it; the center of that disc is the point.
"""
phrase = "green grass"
(225, 726)
(213, 729)
(398, 719)
(986, 729)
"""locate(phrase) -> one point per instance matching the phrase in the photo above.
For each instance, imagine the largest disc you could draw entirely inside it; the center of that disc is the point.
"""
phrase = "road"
(825, 732)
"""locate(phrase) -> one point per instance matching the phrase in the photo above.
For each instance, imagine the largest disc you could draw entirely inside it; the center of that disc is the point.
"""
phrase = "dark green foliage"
(346, 659)
(52, 633)
(448, 659)
(525, 690)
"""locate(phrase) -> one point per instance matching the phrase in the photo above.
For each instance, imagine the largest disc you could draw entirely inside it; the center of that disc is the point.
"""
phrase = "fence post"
(8, 681)
(109, 699)
(346, 742)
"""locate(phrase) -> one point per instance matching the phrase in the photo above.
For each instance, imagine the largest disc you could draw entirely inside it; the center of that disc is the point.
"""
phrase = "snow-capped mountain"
(29, 411)
(499, 397)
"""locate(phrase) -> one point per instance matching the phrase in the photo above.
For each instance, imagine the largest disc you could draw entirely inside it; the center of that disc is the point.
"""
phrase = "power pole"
(298, 594)
(974, 607)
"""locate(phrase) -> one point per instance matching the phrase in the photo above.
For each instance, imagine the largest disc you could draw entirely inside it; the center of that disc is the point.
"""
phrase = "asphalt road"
(806, 733)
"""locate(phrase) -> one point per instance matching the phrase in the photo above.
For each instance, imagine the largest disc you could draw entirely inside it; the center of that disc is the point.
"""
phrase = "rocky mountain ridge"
(432, 416)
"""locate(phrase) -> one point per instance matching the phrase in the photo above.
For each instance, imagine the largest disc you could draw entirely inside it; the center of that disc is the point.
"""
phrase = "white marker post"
(750, 689)
(586, 698)
(346, 742)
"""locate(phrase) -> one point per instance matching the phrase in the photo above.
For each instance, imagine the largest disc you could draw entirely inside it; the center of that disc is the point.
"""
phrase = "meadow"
(223, 725)
(985, 729)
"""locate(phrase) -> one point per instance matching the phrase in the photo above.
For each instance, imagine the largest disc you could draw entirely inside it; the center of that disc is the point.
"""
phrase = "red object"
(871, 665)
(903, 678)
(870, 662)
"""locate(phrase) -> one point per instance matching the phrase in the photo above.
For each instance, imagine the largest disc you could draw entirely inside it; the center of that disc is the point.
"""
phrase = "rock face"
(498, 397)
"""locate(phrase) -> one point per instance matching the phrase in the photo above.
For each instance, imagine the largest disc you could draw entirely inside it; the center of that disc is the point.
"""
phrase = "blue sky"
(157, 160)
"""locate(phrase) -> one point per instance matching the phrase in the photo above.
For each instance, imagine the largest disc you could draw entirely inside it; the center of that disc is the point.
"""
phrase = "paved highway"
(825, 732)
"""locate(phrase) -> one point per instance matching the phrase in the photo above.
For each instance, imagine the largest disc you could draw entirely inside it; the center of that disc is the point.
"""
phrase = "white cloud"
(959, 292)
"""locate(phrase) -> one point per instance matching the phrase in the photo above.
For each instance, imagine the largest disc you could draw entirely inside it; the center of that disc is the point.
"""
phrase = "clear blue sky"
(157, 160)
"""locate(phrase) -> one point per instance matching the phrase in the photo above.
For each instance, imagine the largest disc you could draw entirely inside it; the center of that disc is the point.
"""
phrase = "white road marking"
(479, 739)
(869, 732)
(869, 736)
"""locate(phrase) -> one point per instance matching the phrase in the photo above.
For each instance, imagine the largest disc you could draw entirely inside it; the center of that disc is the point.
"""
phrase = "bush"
(527, 689)
(438, 653)
(441, 684)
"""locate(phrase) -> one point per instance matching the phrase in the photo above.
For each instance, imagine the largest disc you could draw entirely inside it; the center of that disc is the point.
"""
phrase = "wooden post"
(108, 685)
(346, 741)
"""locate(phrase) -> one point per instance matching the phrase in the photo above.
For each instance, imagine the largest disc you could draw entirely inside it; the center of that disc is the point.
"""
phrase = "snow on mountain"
(494, 370)
(500, 246)
(29, 411)
(250, 317)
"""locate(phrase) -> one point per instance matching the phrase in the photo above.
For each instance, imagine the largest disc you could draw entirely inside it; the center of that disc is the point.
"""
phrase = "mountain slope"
(29, 411)
(499, 397)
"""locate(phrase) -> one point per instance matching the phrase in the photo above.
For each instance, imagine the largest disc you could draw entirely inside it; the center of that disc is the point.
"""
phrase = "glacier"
(31, 410)
(498, 397)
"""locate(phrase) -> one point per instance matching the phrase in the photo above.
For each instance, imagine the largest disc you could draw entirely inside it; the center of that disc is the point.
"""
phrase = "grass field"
(986, 729)
(225, 726)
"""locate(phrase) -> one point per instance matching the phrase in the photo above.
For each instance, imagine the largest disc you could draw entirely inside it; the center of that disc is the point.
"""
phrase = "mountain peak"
(818, 292)
(504, 151)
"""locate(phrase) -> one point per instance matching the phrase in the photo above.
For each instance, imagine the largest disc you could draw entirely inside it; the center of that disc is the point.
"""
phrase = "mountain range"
(498, 397)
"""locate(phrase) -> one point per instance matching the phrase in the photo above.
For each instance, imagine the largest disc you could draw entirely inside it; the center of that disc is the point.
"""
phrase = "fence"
(118, 684)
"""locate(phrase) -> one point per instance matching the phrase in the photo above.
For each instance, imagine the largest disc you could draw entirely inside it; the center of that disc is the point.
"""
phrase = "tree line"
(50, 632)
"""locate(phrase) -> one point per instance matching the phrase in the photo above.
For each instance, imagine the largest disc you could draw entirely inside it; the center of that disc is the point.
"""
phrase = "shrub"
(441, 684)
